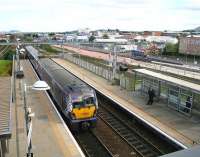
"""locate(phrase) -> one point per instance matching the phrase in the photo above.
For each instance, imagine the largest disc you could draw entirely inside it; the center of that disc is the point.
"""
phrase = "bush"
(171, 49)
(48, 48)
(5, 68)
(9, 55)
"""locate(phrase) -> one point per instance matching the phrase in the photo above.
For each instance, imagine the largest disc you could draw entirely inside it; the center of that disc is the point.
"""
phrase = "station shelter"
(180, 95)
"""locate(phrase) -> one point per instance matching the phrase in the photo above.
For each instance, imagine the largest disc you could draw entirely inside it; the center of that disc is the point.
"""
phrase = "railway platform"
(181, 129)
(50, 136)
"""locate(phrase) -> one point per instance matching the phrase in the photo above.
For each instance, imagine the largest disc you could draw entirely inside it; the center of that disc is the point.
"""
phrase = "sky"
(67, 15)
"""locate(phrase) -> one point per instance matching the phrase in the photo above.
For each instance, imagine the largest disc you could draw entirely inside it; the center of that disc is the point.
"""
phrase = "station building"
(190, 46)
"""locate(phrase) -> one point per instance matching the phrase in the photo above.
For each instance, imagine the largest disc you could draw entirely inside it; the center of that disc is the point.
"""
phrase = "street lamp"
(22, 52)
(19, 72)
(39, 86)
(114, 63)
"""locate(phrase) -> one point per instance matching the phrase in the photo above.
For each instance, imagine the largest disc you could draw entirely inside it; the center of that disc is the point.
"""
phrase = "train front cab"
(83, 114)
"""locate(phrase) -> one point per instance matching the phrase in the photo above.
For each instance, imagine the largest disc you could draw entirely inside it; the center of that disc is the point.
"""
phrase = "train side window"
(67, 99)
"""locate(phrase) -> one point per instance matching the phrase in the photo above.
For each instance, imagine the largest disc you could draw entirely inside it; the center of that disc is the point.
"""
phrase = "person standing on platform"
(151, 94)
(188, 104)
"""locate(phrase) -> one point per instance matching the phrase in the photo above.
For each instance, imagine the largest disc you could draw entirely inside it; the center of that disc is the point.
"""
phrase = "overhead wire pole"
(62, 46)
(114, 63)
(18, 61)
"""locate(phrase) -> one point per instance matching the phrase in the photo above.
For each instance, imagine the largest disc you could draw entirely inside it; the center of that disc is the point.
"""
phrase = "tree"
(12, 37)
(35, 36)
(105, 36)
(171, 49)
(117, 30)
(92, 38)
(51, 34)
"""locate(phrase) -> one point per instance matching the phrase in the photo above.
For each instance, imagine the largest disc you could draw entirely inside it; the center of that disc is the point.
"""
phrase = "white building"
(82, 38)
(162, 39)
(117, 41)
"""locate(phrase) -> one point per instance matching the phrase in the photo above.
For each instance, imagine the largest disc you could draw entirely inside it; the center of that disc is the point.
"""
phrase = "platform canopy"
(191, 152)
(175, 81)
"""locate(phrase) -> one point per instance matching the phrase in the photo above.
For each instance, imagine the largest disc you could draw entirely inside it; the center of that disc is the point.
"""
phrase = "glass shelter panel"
(173, 97)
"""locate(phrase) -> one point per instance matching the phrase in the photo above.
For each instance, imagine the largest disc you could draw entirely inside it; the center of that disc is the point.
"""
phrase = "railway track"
(114, 136)
(142, 139)
(143, 147)
(92, 145)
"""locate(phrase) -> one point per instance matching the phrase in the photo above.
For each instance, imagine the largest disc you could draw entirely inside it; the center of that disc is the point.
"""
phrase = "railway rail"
(115, 136)
(92, 145)
(142, 146)
(142, 139)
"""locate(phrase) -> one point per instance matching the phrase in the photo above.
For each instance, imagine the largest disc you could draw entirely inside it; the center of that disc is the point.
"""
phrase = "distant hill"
(14, 31)
(197, 29)
(193, 30)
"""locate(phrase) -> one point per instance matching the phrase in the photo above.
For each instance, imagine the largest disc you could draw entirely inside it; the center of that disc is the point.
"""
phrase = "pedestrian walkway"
(50, 138)
(171, 123)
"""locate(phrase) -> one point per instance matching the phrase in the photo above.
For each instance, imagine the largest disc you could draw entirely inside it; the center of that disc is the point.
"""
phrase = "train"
(74, 98)
(140, 55)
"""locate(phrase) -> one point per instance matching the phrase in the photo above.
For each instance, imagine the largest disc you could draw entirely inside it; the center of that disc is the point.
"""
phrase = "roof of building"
(191, 152)
(162, 39)
(111, 40)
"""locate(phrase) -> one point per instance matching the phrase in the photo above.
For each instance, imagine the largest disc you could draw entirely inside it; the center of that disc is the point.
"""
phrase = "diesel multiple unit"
(76, 100)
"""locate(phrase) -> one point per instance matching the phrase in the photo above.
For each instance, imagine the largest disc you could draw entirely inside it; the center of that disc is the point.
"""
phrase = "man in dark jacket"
(188, 104)
(151, 94)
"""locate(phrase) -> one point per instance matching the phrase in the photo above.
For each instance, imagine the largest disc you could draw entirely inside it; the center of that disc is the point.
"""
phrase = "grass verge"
(5, 67)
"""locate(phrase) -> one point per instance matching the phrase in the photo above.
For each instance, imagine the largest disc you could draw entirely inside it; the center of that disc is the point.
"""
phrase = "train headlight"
(95, 113)
(73, 116)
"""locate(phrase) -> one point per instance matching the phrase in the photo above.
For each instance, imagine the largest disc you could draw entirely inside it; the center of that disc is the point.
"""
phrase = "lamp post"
(17, 56)
(22, 51)
(39, 86)
(114, 63)
(62, 47)
(19, 51)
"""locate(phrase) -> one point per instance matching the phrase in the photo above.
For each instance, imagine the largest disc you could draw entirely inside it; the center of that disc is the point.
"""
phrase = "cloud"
(62, 15)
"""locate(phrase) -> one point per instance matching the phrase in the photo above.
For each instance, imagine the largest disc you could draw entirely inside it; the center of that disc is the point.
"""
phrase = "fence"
(105, 71)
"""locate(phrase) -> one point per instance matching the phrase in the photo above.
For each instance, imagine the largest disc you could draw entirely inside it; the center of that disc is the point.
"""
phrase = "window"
(89, 101)
(85, 103)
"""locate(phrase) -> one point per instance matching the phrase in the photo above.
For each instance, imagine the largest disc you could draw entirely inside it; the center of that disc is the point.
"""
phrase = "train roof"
(34, 53)
(62, 76)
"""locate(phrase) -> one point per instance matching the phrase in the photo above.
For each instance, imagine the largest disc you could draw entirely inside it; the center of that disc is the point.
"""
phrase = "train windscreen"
(85, 103)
